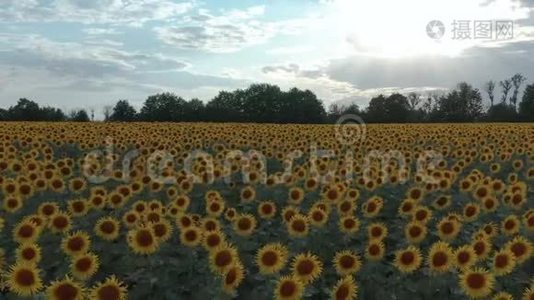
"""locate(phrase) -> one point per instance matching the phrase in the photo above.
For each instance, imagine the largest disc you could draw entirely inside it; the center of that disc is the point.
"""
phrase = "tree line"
(266, 103)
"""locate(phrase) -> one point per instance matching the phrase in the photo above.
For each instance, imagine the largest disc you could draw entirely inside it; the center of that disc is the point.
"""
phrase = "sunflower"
(271, 258)
(408, 260)
(215, 207)
(298, 226)
(78, 207)
(407, 207)
(213, 239)
(140, 207)
(490, 204)
(349, 225)
(377, 231)
(185, 221)
(440, 257)
(60, 222)
(65, 289)
(84, 266)
(222, 258)
(346, 262)
(528, 294)
(131, 218)
(521, 248)
(210, 224)
(490, 229)
(233, 277)
(528, 222)
(288, 288)
(502, 296)
(415, 193)
(422, 214)
(191, 236)
(375, 250)
(38, 220)
(346, 207)
(77, 185)
(372, 207)
(29, 253)
(110, 289)
(476, 283)
(511, 225)
(332, 194)
(267, 209)
(481, 192)
(345, 289)
(503, 262)
(317, 216)
(76, 243)
(26, 232)
(471, 212)
(482, 247)
(57, 185)
(448, 229)
(306, 267)
(12, 203)
(465, 257)
(24, 280)
(288, 212)
(107, 228)
(415, 232)
(143, 240)
(47, 209)
(248, 194)
(442, 202)
(230, 214)
(97, 201)
(295, 195)
(162, 230)
(244, 224)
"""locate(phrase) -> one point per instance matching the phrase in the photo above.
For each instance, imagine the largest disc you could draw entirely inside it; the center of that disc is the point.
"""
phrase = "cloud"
(100, 31)
(230, 31)
(84, 60)
(92, 12)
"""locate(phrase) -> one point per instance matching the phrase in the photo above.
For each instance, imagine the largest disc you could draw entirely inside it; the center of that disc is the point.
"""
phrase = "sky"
(90, 53)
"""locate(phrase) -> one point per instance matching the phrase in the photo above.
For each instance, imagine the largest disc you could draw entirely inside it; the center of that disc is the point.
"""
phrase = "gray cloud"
(496, 63)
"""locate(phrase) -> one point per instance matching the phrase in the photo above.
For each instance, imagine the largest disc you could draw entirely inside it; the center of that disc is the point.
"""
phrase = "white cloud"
(92, 11)
(227, 32)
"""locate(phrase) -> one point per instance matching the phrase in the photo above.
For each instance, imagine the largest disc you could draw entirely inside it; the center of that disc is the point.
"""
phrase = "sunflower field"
(249, 211)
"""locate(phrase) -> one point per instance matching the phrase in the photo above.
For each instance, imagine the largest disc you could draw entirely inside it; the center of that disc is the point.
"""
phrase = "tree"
(298, 106)
(3, 115)
(165, 107)
(517, 81)
(526, 107)
(414, 99)
(123, 112)
(502, 112)
(506, 85)
(489, 87)
(25, 110)
(392, 109)
(226, 107)
(464, 104)
(79, 116)
(53, 114)
(262, 103)
(194, 110)
(107, 110)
